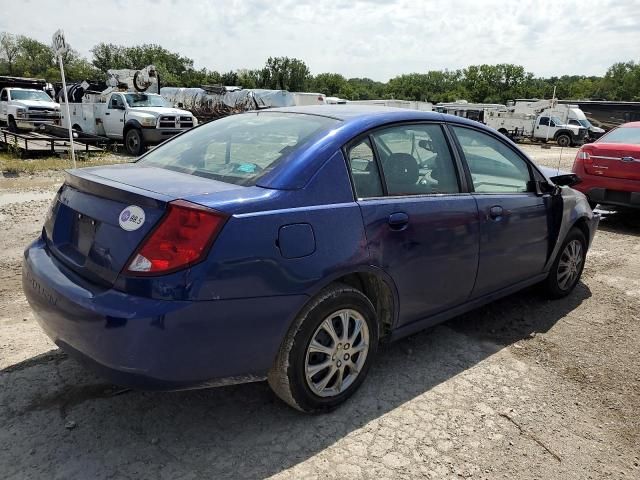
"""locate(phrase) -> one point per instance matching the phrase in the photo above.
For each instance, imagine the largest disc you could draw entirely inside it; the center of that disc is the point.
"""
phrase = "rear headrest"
(401, 169)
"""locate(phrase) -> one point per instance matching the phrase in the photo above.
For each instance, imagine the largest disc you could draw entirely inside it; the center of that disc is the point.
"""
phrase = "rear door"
(514, 219)
(421, 227)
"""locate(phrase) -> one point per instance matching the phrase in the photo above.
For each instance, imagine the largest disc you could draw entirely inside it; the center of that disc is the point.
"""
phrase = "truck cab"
(552, 128)
(27, 109)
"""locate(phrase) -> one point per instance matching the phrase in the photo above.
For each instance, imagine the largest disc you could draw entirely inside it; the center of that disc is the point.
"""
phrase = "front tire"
(327, 353)
(134, 143)
(567, 268)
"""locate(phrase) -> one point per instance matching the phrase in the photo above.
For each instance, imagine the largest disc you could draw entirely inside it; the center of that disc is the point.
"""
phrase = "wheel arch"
(568, 133)
(376, 285)
(582, 224)
(132, 123)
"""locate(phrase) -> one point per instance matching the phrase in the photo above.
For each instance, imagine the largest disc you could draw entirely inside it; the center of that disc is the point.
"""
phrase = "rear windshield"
(240, 148)
(622, 135)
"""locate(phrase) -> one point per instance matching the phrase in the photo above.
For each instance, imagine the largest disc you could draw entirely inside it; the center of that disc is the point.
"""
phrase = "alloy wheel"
(570, 264)
(336, 353)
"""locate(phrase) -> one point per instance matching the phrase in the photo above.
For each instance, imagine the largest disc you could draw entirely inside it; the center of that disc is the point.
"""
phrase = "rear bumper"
(152, 344)
(607, 190)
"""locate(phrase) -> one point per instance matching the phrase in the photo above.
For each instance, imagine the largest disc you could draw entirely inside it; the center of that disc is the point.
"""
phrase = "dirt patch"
(522, 388)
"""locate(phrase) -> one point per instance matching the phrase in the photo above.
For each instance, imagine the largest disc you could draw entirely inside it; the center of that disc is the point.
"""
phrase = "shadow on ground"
(238, 431)
(619, 220)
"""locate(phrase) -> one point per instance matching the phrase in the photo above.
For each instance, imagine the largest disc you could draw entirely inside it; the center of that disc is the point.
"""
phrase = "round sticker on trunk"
(131, 218)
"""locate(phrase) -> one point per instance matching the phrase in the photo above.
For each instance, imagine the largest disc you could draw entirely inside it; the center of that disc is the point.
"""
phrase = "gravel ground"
(523, 388)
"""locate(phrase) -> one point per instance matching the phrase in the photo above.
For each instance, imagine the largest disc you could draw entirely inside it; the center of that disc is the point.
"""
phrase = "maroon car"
(610, 167)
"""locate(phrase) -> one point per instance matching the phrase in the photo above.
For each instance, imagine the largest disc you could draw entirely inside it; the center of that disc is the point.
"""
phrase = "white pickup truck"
(136, 118)
(535, 127)
(26, 108)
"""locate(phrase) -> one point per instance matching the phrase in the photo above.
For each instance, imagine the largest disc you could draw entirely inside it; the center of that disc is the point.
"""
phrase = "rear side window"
(240, 148)
(364, 170)
(416, 160)
(494, 167)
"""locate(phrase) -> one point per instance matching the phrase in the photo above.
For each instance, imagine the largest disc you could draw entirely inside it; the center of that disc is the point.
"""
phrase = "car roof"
(346, 112)
(630, 125)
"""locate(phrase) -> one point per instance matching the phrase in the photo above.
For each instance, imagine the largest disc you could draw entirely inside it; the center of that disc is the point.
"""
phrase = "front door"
(421, 228)
(514, 227)
(114, 116)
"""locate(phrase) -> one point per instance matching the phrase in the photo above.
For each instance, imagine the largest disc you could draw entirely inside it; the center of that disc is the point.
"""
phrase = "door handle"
(398, 221)
(496, 212)
(107, 113)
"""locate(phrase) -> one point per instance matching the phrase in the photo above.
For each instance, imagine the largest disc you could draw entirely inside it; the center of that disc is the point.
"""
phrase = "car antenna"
(559, 160)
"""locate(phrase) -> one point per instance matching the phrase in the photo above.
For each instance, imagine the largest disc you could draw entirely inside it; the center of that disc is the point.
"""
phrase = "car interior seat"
(401, 172)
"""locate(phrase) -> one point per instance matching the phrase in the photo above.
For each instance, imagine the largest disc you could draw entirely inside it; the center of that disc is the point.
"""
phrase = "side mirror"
(180, 105)
(567, 180)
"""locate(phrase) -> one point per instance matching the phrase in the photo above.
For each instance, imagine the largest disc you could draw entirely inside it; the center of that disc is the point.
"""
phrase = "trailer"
(35, 143)
(608, 114)
(409, 104)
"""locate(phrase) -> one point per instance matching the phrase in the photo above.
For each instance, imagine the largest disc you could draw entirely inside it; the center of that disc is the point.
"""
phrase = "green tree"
(284, 73)
(9, 50)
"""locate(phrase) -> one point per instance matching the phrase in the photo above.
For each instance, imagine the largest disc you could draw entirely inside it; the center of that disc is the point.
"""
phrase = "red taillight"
(182, 238)
(584, 156)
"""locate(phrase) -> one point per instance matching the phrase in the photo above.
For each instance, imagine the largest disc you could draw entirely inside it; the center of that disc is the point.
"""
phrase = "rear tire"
(567, 268)
(319, 337)
(563, 140)
(133, 142)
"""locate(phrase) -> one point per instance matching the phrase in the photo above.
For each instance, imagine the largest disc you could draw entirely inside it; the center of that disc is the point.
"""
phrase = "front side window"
(364, 170)
(544, 121)
(494, 167)
(239, 148)
(3, 96)
(416, 160)
(116, 102)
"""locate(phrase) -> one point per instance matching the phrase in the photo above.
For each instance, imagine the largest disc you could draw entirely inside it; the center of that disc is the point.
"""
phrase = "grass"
(10, 163)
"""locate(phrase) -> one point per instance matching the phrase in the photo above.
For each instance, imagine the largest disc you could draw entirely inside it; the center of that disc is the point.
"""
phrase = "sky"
(378, 39)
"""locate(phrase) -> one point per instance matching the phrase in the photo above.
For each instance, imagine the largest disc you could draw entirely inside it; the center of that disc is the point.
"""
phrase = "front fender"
(132, 123)
(575, 208)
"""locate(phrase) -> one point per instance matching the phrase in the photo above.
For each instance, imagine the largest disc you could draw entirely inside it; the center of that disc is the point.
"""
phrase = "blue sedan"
(285, 244)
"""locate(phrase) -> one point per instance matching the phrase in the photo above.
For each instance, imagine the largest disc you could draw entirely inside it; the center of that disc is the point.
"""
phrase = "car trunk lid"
(613, 160)
(101, 215)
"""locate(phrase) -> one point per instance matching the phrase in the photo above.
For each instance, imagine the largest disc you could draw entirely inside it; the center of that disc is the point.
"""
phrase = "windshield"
(622, 135)
(30, 95)
(145, 100)
(585, 123)
(240, 148)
